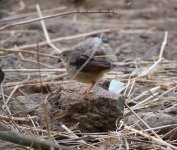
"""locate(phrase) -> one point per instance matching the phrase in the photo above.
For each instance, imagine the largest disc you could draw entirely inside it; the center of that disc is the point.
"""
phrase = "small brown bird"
(1, 75)
(85, 68)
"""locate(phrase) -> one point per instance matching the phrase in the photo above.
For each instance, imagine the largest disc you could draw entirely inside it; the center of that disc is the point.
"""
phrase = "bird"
(85, 68)
(1, 75)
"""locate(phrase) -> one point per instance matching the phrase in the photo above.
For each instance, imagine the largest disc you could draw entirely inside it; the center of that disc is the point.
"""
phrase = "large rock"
(97, 47)
(97, 113)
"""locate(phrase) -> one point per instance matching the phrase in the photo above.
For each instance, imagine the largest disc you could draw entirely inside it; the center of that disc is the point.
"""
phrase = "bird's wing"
(93, 64)
(98, 65)
(78, 59)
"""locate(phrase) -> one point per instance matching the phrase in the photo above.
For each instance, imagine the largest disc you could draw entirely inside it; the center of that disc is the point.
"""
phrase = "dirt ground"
(134, 32)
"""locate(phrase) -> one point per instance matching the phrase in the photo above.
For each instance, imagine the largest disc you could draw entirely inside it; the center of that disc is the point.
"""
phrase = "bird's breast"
(85, 77)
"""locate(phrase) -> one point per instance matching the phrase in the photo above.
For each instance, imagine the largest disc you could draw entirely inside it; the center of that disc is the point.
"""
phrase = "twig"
(153, 90)
(47, 116)
(29, 141)
(160, 56)
(157, 136)
(53, 16)
(11, 119)
(156, 140)
(8, 99)
(45, 30)
(70, 37)
(18, 118)
(145, 73)
(35, 70)
(33, 61)
(30, 52)
(19, 16)
(154, 100)
(21, 84)
(72, 134)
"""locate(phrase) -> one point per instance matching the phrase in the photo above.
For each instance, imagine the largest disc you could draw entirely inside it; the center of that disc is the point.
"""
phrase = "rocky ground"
(125, 31)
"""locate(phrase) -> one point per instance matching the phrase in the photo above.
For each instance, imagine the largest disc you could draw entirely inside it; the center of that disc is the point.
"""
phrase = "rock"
(10, 60)
(25, 102)
(153, 53)
(97, 113)
(3, 14)
(171, 110)
(31, 105)
(144, 35)
(152, 119)
(124, 48)
(96, 45)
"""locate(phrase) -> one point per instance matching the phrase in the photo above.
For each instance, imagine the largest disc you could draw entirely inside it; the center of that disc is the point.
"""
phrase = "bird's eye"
(64, 54)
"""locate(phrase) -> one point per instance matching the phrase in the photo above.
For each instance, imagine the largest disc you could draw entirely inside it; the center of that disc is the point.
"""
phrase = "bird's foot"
(83, 94)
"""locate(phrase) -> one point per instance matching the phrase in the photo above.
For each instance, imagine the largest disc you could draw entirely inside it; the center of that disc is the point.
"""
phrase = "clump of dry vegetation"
(138, 33)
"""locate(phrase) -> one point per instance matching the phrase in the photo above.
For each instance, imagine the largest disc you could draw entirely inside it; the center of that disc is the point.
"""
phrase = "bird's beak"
(57, 54)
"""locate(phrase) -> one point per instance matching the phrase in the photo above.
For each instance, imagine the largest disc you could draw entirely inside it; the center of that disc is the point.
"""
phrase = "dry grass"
(158, 78)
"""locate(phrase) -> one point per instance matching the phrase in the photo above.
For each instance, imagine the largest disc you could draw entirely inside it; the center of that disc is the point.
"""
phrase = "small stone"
(144, 36)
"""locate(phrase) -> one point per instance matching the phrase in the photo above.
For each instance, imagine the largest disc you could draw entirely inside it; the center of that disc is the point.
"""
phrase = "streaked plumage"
(84, 68)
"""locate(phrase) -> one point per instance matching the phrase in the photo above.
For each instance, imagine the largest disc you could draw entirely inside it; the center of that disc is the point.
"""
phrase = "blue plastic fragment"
(115, 86)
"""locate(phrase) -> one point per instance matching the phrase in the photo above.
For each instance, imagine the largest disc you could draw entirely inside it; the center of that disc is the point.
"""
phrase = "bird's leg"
(83, 92)
(88, 90)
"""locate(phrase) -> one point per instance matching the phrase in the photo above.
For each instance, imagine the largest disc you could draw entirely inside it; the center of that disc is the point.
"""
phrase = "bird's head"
(65, 55)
